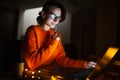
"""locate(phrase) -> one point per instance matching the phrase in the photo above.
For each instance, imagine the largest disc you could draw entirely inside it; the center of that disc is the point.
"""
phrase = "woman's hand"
(56, 37)
(91, 65)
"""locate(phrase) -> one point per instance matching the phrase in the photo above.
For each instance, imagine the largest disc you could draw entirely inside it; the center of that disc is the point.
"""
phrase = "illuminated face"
(53, 17)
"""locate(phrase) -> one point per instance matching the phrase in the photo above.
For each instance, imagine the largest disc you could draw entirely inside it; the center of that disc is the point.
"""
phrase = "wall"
(8, 31)
(83, 31)
(27, 18)
(94, 28)
(106, 25)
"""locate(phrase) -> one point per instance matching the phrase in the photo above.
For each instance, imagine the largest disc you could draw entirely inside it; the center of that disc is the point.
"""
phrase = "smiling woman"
(40, 47)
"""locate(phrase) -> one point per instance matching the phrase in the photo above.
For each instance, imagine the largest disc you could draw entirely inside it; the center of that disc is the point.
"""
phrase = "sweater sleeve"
(32, 54)
(65, 61)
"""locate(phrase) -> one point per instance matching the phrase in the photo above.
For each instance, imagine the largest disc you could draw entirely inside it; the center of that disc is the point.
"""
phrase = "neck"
(46, 28)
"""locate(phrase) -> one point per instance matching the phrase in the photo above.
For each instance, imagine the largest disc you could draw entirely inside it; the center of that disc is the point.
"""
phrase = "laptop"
(90, 74)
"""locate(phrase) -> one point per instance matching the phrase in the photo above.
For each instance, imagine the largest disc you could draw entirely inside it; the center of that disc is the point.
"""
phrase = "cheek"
(48, 20)
(57, 22)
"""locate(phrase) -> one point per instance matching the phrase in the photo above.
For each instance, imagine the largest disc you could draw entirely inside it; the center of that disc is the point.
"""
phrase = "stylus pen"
(55, 30)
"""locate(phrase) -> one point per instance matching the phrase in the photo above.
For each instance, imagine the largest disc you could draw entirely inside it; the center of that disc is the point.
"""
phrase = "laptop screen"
(102, 63)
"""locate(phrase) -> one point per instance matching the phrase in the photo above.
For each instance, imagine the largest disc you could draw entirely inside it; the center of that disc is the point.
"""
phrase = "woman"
(42, 44)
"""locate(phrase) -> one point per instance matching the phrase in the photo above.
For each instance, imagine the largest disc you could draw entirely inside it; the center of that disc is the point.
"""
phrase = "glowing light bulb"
(25, 76)
(39, 71)
(33, 76)
(26, 70)
(38, 77)
(33, 72)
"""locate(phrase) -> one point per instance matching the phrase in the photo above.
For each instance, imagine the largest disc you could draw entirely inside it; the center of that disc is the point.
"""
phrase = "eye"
(53, 16)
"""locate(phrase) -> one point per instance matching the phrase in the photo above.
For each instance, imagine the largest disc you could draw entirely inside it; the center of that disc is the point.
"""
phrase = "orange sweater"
(40, 48)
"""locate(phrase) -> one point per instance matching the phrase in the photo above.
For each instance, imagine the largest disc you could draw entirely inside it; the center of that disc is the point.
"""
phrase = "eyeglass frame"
(54, 17)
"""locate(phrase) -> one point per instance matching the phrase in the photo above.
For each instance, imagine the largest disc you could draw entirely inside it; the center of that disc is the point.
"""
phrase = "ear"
(43, 14)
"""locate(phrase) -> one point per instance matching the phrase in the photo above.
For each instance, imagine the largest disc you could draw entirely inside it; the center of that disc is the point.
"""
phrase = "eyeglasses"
(54, 17)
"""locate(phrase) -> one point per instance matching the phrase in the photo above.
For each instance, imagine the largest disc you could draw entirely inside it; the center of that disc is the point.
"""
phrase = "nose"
(56, 21)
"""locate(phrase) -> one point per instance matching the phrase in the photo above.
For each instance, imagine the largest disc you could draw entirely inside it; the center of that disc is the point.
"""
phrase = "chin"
(52, 26)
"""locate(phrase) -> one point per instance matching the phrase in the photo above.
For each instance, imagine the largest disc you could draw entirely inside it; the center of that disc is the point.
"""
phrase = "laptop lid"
(102, 63)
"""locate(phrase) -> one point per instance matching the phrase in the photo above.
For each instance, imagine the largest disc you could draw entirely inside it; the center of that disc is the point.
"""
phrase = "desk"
(51, 73)
(111, 72)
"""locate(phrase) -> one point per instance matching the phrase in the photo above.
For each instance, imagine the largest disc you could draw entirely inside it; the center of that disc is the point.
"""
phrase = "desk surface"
(62, 73)
(51, 73)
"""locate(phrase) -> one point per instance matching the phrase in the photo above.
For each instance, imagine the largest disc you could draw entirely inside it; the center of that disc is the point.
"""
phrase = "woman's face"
(53, 17)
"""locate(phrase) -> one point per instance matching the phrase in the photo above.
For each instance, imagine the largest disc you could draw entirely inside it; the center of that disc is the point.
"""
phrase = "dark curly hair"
(47, 7)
